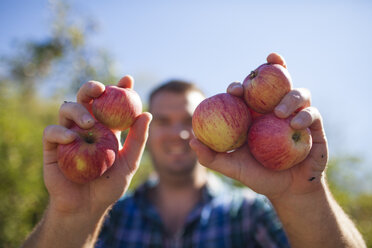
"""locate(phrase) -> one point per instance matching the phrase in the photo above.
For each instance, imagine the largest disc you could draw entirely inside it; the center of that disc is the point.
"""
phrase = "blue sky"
(327, 46)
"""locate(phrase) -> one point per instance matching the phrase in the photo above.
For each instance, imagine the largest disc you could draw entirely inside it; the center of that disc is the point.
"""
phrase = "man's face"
(171, 130)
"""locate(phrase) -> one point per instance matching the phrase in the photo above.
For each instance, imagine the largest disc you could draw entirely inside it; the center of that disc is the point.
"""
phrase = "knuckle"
(296, 98)
(67, 107)
(305, 94)
(307, 115)
(48, 131)
(233, 85)
(90, 84)
(314, 112)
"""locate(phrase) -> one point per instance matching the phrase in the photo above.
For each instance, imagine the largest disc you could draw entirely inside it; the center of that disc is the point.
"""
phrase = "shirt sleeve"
(267, 228)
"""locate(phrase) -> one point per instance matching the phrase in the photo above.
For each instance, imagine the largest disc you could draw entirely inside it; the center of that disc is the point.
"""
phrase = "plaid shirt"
(225, 217)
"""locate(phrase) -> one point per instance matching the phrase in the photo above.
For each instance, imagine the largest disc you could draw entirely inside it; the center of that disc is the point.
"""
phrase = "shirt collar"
(213, 188)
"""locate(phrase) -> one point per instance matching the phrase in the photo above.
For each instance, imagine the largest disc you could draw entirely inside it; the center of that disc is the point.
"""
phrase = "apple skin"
(221, 122)
(254, 114)
(265, 87)
(117, 108)
(276, 145)
(92, 152)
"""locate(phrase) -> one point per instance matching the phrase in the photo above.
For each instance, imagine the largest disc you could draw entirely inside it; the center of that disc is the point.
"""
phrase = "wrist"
(67, 217)
(77, 209)
(302, 195)
(71, 229)
(307, 216)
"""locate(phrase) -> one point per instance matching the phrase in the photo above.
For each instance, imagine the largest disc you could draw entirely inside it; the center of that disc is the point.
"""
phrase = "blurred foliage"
(21, 184)
(61, 63)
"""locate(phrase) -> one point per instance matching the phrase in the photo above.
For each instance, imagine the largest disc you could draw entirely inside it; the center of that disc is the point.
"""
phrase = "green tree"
(61, 63)
(21, 185)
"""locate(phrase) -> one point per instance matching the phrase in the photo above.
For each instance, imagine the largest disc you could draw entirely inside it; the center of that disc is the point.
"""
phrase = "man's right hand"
(76, 211)
(96, 196)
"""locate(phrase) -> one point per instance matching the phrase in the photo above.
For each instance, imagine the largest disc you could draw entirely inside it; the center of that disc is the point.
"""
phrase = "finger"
(88, 92)
(318, 157)
(220, 162)
(295, 100)
(54, 135)
(311, 118)
(71, 112)
(126, 82)
(205, 155)
(312, 169)
(136, 140)
(235, 89)
(275, 58)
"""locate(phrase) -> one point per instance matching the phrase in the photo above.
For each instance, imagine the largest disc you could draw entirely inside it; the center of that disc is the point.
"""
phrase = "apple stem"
(253, 74)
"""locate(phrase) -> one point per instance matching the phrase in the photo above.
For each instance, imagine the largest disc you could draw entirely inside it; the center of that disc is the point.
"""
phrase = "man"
(185, 207)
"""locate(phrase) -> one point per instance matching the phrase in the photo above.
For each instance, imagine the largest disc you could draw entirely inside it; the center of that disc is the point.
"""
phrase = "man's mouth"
(177, 149)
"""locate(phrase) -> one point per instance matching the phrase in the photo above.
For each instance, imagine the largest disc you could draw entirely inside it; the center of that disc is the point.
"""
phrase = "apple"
(265, 87)
(117, 108)
(275, 144)
(221, 122)
(93, 151)
(254, 114)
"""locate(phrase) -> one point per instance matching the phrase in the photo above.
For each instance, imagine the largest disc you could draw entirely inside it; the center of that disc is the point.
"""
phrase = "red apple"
(265, 87)
(254, 114)
(276, 145)
(92, 152)
(117, 108)
(221, 122)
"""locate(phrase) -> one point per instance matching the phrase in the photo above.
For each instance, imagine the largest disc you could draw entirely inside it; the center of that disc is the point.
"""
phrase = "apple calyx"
(87, 157)
(276, 145)
(89, 138)
(296, 137)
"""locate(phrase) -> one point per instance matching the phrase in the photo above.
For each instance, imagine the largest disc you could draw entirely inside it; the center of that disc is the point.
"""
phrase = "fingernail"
(281, 109)
(69, 134)
(236, 86)
(297, 121)
(87, 119)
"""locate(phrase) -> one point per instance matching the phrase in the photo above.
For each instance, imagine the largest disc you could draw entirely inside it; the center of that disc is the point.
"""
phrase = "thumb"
(205, 155)
(136, 139)
(220, 162)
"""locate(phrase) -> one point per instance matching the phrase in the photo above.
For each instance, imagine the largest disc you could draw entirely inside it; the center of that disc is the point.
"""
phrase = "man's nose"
(181, 131)
(185, 134)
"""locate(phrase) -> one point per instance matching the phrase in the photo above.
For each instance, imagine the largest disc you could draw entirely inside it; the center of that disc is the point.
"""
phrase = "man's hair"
(175, 86)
